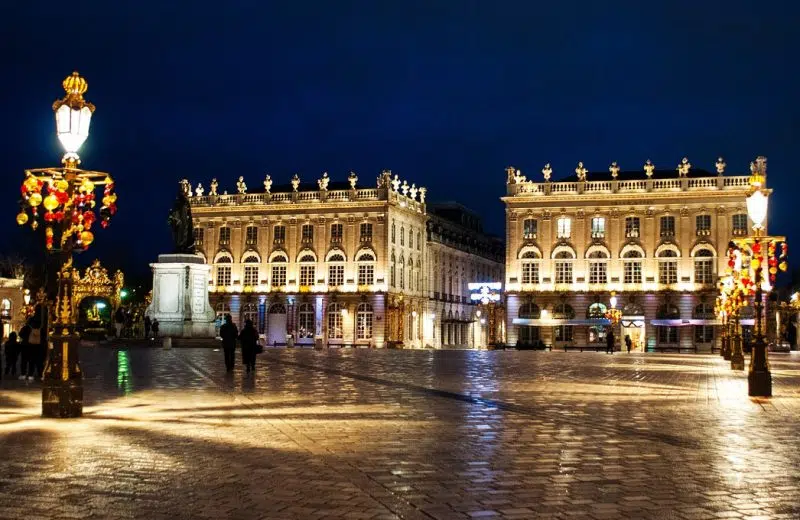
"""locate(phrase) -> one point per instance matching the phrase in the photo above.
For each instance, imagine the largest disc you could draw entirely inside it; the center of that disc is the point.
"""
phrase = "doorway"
(634, 329)
(277, 324)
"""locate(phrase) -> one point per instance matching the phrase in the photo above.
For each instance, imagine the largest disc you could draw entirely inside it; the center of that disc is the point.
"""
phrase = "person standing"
(249, 340)
(11, 351)
(155, 327)
(628, 342)
(228, 332)
(610, 341)
(147, 323)
(25, 351)
(119, 321)
(791, 335)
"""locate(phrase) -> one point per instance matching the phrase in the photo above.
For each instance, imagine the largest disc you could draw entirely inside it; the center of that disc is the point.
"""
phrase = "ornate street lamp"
(63, 201)
(759, 378)
(613, 314)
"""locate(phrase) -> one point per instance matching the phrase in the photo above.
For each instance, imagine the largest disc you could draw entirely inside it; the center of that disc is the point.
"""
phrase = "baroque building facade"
(655, 239)
(459, 253)
(328, 264)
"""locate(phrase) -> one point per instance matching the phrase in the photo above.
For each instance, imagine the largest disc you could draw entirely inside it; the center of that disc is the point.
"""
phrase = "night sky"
(445, 96)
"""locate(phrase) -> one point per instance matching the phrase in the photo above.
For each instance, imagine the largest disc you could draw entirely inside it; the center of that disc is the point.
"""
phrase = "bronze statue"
(180, 220)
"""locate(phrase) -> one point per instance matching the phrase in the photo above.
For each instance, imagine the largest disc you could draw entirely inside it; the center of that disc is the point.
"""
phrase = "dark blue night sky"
(446, 96)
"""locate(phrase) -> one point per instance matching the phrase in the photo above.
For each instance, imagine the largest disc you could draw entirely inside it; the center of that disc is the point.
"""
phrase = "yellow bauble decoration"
(22, 218)
(50, 202)
(109, 199)
(87, 237)
(35, 199)
(62, 185)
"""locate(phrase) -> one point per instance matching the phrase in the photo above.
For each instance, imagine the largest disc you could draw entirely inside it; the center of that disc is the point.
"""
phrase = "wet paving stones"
(405, 434)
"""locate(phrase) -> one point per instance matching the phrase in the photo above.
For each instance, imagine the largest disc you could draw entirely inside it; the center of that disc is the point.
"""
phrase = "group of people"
(27, 350)
(248, 338)
(126, 324)
(610, 342)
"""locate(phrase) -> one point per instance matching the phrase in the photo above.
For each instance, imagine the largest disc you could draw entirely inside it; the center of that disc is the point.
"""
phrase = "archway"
(95, 315)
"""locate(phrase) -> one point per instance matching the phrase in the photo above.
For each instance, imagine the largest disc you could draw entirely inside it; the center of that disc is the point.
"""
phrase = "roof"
(632, 175)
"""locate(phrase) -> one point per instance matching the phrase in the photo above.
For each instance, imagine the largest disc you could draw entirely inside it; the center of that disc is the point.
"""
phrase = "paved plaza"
(387, 434)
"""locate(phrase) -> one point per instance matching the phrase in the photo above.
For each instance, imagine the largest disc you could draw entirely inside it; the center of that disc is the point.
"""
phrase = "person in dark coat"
(228, 332)
(11, 351)
(25, 351)
(791, 335)
(610, 341)
(147, 324)
(249, 340)
(628, 343)
(154, 326)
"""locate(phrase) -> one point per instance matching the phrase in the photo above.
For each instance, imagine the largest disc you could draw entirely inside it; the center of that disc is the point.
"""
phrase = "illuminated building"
(658, 238)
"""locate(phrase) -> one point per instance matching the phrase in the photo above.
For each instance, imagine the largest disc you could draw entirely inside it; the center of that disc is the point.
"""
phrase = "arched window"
(598, 266)
(704, 266)
(530, 266)
(308, 270)
(596, 333)
(402, 235)
(223, 270)
(563, 266)
(250, 312)
(251, 262)
(632, 265)
(5, 308)
(335, 321)
(596, 310)
(279, 262)
(366, 268)
(305, 321)
(667, 266)
(277, 308)
(336, 259)
(364, 317)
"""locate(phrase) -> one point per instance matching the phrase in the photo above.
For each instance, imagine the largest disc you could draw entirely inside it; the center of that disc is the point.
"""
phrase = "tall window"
(419, 241)
(402, 235)
(703, 333)
(563, 267)
(199, 235)
(393, 271)
(279, 235)
(598, 267)
(739, 225)
(564, 227)
(250, 312)
(668, 267)
(394, 229)
(307, 273)
(529, 228)
(402, 268)
(704, 266)
(337, 231)
(224, 236)
(251, 235)
(668, 334)
(366, 232)
(305, 321)
(667, 226)
(529, 335)
(563, 333)
(366, 269)
(335, 319)
(251, 270)
(632, 267)
(307, 233)
(336, 270)
(223, 275)
(364, 321)
(411, 238)
(703, 225)
(632, 228)
(530, 267)
(278, 271)
(598, 227)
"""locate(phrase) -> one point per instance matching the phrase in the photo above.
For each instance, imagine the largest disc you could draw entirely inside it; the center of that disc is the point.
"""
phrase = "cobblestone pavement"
(406, 434)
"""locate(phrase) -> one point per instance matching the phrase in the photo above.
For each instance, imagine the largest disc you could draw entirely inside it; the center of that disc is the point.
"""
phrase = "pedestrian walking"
(11, 353)
(610, 341)
(228, 332)
(628, 342)
(154, 326)
(24, 350)
(147, 324)
(249, 340)
(119, 321)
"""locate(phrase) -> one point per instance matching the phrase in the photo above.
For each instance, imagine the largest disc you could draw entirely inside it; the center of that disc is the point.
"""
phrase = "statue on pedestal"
(180, 221)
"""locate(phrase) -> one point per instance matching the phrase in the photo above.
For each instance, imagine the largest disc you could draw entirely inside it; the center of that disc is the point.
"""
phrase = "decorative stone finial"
(323, 182)
(199, 190)
(352, 179)
(648, 168)
(683, 167)
(614, 169)
(547, 171)
(404, 188)
(295, 182)
(186, 187)
(519, 178)
(761, 164)
(241, 187)
(267, 184)
(395, 183)
(214, 185)
(510, 177)
(385, 179)
(422, 192)
(581, 172)
(413, 192)
(720, 166)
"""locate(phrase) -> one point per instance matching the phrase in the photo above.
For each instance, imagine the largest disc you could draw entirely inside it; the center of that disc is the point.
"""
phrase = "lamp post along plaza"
(62, 201)
(763, 248)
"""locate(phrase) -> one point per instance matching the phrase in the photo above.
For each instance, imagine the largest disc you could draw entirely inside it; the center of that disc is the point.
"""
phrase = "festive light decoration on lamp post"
(735, 288)
(63, 201)
(613, 314)
(757, 279)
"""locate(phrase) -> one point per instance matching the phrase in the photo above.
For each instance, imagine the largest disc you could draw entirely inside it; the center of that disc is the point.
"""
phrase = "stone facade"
(657, 238)
(12, 303)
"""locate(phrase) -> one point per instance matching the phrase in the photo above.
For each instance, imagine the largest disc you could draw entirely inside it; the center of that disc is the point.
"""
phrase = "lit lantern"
(22, 218)
(73, 115)
(757, 203)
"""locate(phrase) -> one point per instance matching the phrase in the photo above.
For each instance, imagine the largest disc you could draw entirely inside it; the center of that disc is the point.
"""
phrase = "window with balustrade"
(703, 225)
(251, 236)
(667, 226)
(307, 234)
(739, 225)
(530, 228)
(199, 235)
(564, 227)
(279, 235)
(365, 232)
(224, 236)
(632, 227)
(598, 227)
(337, 232)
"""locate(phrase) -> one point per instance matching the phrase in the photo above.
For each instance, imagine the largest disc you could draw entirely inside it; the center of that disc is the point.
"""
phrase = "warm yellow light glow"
(757, 203)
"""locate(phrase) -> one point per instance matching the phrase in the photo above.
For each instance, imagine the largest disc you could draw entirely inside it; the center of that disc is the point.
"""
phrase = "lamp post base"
(725, 351)
(759, 380)
(735, 353)
(62, 382)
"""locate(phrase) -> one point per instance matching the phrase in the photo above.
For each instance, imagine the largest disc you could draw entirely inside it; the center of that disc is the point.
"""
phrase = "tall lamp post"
(759, 378)
(62, 200)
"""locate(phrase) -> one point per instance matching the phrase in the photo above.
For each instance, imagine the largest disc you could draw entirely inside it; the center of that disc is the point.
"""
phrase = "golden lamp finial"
(75, 85)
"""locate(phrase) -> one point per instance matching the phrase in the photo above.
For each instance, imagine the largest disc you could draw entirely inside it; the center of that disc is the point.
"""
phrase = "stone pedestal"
(180, 297)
